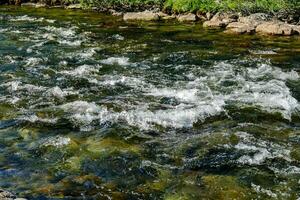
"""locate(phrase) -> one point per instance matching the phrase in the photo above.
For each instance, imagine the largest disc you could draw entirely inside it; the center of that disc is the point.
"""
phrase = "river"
(92, 107)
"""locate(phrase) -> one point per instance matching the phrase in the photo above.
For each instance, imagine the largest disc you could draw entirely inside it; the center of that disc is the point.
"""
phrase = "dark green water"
(95, 108)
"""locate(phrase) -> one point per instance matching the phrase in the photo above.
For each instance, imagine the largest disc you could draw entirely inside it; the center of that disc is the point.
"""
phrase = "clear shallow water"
(92, 107)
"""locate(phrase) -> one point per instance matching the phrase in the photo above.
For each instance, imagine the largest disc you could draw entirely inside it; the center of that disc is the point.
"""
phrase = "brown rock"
(221, 20)
(214, 24)
(165, 16)
(240, 28)
(145, 16)
(187, 18)
(255, 19)
(275, 28)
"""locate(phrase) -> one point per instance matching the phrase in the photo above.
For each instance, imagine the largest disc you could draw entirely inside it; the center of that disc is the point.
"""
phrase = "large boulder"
(255, 19)
(240, 28)
(276, 28)
(221, 20)
(145, 16)
(187, 18)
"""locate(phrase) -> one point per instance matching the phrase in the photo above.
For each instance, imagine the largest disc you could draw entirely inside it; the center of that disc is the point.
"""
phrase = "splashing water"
(94, 107)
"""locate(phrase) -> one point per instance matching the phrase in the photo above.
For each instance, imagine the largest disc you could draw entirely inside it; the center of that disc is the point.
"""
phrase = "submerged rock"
(145, 16)
(187, 18)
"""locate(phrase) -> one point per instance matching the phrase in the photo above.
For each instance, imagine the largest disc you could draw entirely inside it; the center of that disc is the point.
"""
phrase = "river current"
(92, 107)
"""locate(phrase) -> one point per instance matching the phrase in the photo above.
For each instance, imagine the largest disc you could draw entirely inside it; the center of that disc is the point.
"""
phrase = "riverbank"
(281, 23)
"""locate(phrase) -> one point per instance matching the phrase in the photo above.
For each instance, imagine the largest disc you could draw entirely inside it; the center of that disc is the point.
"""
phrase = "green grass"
(248, 6)
(234, 5)
(117, 3)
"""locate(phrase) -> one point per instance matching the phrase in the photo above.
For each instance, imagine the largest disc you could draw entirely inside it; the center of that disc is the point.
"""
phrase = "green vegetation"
(248, 6)
(234, 5)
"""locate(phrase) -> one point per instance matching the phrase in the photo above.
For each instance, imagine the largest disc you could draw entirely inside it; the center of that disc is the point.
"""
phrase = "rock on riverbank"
(255, 23)
(281, 23)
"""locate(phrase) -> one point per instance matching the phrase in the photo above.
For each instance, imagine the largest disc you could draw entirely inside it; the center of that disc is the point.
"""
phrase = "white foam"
(259, 189)
(82, 70)
(263, 52)
(63, 32)
(116, 60)
(33, 119)
(33, 61)
(55, 141)
(30, 19)
(82, 113)
(180, 116)
(261, 150)
(188, 95)
(59, 93)
(70, 43)
(113, 80)
(118, 37)
(266, 70)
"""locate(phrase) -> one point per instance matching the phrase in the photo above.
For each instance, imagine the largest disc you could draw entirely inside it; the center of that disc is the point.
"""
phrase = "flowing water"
(92, 107)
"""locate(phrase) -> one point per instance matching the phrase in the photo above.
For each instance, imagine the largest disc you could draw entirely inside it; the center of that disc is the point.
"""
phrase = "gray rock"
(74, 6)
(276, 28)
(144, 16)
(29, 4)
(240, 28)
(187, 18)
(41, 5)
(221, 20)
(165, 16)
(255, 19)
